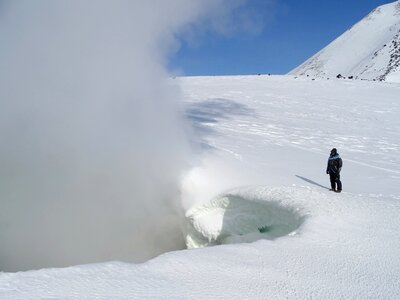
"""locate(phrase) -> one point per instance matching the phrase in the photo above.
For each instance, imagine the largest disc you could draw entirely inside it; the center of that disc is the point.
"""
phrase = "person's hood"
(336, 155)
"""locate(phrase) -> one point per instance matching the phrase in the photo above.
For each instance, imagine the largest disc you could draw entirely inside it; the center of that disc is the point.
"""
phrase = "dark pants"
(335, 180)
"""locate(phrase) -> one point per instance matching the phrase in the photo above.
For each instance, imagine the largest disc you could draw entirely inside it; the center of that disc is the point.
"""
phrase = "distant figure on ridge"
(333, 169)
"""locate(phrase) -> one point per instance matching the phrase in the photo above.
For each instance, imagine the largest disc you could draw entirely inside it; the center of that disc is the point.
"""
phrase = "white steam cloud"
(92, 142)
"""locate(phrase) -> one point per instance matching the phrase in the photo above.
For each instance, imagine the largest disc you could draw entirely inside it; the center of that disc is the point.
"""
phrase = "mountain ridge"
(369, 50)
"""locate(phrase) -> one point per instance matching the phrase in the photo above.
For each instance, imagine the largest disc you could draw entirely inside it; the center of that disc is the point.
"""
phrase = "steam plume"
(92, 144)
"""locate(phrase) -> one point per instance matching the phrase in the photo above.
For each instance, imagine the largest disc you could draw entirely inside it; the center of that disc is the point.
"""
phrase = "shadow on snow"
(312, 182)
(204, 114)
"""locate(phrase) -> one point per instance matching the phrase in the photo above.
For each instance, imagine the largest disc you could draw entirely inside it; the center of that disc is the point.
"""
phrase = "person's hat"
(334, 150)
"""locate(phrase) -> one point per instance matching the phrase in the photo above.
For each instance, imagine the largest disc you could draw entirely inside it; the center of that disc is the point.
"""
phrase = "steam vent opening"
(231, 218)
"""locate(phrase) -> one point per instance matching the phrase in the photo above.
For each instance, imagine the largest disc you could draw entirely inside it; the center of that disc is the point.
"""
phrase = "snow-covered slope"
(271, 135)
(369, 50)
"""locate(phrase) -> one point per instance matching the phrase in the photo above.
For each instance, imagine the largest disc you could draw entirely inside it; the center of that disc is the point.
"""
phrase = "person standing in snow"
(333, 169)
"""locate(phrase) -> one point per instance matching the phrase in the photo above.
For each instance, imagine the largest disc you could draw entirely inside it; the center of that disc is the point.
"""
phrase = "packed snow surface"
(258, 192)
(369, 50)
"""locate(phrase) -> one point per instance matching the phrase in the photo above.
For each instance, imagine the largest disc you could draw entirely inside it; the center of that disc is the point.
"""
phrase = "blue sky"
(293, 31)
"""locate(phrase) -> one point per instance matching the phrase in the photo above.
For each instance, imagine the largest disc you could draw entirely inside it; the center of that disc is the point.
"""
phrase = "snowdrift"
(331, 247)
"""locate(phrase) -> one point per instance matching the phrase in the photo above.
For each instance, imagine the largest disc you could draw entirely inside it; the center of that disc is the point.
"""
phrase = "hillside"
(369, 50)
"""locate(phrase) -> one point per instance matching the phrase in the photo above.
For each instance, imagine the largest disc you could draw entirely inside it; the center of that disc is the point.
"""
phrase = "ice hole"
(237, 219)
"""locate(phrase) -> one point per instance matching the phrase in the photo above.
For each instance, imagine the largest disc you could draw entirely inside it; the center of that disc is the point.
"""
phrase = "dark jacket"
(334, 164)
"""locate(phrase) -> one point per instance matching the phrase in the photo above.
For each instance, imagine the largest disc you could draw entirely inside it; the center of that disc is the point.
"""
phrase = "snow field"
(272, 134)
(280, 127)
